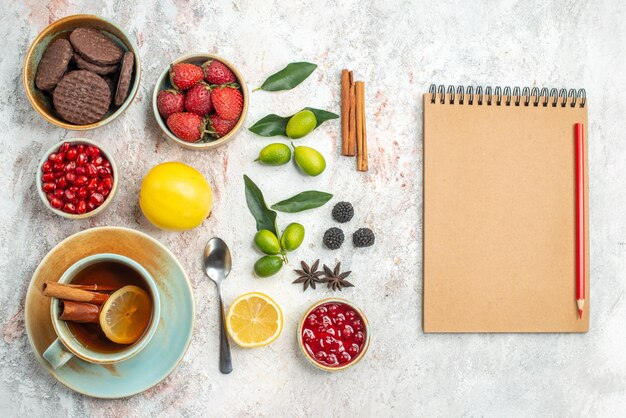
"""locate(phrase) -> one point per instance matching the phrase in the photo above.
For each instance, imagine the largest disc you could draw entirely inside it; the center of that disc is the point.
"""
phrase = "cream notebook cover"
(499, 210)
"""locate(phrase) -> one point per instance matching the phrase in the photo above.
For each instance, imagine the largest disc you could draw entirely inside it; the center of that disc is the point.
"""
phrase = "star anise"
(335, 279)
(308, 275)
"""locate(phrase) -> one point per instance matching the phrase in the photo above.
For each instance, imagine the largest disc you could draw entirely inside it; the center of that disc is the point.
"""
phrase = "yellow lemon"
(254, 320)
(126, 314)
(175, 196)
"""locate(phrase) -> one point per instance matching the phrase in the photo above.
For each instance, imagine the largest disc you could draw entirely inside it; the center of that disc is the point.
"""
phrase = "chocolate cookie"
(53, 64)
(82, 97)
(126, 72)
(95, 46)
(83, 64)
(111, 82)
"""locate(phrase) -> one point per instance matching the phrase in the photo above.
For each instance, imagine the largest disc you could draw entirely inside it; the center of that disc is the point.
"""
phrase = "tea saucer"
(171, 340)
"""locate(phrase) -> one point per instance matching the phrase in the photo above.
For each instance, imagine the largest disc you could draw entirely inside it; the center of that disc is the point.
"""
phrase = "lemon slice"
(254, 320)
(126, 314)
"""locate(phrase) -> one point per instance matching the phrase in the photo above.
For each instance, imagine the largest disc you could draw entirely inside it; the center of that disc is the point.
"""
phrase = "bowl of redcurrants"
(200, 101)
(77, 179)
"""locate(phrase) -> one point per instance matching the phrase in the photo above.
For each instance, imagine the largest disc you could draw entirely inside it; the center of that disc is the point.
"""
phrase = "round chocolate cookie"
(82, 97)
(111, 82)
(83, 64)
(126, 72)
(95, 46)
(53, 64)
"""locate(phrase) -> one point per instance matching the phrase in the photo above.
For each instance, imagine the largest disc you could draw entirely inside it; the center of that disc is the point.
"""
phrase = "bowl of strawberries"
(200, 101)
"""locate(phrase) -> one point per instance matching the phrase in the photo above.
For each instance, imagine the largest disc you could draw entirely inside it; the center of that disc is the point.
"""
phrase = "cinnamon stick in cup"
(361, 134)
(82, 312)
(65, 292)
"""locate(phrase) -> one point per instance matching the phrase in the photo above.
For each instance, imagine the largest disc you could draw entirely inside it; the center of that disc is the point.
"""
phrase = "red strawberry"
(184, 75)
(220, 126)
(169, 102)
(198, 99)
(227, 101)
(187, 126)
(215, 72)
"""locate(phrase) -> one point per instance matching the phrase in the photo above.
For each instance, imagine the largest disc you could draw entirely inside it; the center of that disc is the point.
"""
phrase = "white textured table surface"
(399, 48)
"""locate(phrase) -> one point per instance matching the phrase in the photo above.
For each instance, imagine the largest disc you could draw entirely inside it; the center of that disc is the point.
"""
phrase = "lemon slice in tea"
(126, 314)
(254, 320)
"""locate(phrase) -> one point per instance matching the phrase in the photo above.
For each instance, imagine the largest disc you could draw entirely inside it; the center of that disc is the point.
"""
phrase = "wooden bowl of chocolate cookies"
(81, 72)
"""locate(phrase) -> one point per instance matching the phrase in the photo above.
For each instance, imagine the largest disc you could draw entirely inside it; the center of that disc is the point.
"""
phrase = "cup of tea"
(105, 309)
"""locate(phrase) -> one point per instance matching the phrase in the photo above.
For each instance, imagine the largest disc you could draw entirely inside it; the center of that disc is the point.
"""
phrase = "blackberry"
(333, 238)
(363, 237)
(343, 212)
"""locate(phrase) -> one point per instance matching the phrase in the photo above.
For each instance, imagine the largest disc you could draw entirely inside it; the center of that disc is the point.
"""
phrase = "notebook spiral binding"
(516, 97)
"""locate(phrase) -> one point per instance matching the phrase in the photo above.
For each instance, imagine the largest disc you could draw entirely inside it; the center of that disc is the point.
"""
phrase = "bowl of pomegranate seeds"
(200, 101)
(333, 334)
(77, 179)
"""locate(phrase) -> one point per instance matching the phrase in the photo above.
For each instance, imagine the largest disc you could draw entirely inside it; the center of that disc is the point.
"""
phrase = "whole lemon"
(175, 196)
(301, 124)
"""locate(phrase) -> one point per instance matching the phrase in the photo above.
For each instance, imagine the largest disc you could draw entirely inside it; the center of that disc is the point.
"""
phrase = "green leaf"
(289, 77)
(302, 201)
(273, 125)
(264, 217)
(322, 115)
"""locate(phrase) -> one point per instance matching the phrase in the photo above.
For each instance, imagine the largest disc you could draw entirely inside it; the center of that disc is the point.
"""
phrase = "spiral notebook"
(499, 210)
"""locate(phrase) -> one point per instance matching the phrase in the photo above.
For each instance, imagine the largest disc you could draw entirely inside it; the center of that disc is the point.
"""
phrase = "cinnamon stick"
(94, 287)
(351, 119)
(65, 292)
(345, 111)
(82, 312)
(361, 134)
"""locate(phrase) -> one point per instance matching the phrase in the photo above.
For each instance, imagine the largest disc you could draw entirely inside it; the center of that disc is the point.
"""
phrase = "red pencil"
(579, 130)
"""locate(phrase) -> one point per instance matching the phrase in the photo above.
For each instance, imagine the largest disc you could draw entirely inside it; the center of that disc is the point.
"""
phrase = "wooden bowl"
(41, 101)
(163, 83)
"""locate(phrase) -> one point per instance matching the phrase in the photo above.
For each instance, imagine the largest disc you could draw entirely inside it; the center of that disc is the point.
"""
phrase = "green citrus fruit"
(292, 237)
(268, 265)
(301, 124)
(309, 160)
(267, 242)
(275, 154)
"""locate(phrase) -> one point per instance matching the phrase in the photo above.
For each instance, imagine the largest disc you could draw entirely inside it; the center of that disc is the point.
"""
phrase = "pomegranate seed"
(50, 196)
(69, 196)
(92, 151)
(82, 193)
(47, 177)
(58, 174)
(52, 157)
(46, 167)
(64, 147)
(81, 180)
(69, 208)
(58, 193)
(71, 166)
(96, 199)
(73, 189)
(48, 187)
(98, 160)
(91, 170)
(56, 203)
(108, 183)
(103, 171)
(81, 159)
(62, 182)
(57, 167)
(80, 171)
(106, 164)
(106, 192)
(81, 207)
(91, 206)
(71, 154)
(92, 184)
(70, 177)
(60, 157)
(80, 148)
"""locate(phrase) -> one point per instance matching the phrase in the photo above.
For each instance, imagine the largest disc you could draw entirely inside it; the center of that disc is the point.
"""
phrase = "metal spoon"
(217, 264)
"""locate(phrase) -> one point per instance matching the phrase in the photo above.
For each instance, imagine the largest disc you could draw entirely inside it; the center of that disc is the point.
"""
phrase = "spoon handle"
(226, 363)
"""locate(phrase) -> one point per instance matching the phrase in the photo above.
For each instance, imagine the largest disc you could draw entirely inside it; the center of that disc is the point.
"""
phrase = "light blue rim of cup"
(73, 345)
